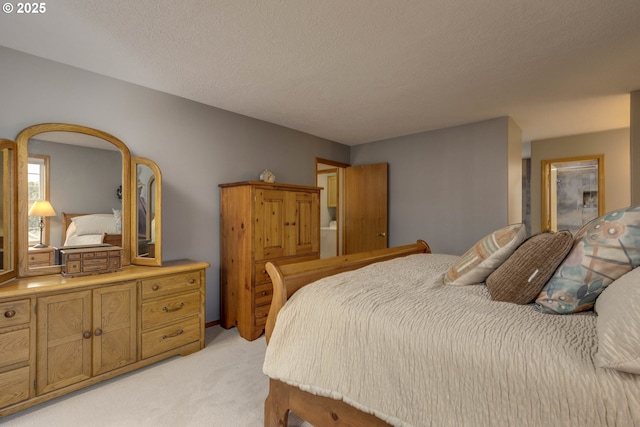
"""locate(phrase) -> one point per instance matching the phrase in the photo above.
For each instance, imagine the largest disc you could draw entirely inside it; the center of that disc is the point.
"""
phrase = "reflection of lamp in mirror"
(41, 208)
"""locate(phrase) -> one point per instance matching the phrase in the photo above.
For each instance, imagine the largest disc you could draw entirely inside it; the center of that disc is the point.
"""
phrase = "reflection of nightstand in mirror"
(41, 257)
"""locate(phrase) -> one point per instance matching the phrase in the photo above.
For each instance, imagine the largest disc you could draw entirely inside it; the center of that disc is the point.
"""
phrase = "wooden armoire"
(261, 222)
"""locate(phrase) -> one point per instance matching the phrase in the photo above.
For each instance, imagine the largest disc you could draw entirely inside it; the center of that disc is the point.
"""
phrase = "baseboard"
(210, 324)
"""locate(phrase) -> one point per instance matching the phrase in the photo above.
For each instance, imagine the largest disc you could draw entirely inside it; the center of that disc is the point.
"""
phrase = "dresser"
(60, 334)
(261, 222)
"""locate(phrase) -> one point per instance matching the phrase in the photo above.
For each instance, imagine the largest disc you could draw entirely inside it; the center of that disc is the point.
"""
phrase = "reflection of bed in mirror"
(90, 229)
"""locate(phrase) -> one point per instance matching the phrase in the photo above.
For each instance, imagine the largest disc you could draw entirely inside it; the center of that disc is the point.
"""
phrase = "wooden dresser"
(60, 334)
(261, 222)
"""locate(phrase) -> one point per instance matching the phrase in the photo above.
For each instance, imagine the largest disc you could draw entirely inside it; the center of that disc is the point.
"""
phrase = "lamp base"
(40, 245)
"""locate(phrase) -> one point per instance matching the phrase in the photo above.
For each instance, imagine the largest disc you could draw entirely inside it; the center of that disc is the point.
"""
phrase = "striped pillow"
(485, 256)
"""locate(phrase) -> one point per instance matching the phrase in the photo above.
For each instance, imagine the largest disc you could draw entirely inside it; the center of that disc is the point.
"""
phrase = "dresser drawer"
(166, 285)
(170, 337)
(170, 309)
(14, 347)
(15, 313)
(14, 386)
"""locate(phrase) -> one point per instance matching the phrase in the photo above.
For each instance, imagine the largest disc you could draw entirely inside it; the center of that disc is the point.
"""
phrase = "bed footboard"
(317, 410)
(287, 279)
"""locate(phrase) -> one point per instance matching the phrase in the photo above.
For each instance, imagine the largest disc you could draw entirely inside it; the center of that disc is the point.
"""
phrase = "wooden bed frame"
(110, 239)
(287, 279)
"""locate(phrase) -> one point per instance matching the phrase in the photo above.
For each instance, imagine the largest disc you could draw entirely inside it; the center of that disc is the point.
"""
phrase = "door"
(114, 327)
(365, 219)
(302, 222)
(64, 340)
(270, 222)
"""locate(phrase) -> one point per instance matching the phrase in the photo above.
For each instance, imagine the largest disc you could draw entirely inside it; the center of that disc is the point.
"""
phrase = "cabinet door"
(270, 224)
(114, 327)
(302, 223)
(63, 340)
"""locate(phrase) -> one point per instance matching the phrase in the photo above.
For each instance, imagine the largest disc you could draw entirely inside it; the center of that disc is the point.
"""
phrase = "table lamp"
(41, 208)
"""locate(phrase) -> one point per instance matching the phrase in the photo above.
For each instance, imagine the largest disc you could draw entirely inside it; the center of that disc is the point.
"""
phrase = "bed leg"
(276, 406)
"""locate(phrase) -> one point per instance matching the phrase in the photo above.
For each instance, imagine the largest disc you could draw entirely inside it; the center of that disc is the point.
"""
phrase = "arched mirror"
(146, 242)
(7, 209)
(84, 175)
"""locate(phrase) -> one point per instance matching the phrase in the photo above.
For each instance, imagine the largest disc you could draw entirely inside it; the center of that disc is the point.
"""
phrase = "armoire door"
(302, 223)
(365, 213)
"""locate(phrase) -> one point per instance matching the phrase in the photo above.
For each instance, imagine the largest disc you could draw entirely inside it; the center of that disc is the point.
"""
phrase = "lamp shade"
(42, 208)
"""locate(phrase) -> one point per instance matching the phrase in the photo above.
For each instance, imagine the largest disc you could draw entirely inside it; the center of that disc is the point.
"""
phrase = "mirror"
(572, 192)
(146, 241)
(8, 209)
(79, 171)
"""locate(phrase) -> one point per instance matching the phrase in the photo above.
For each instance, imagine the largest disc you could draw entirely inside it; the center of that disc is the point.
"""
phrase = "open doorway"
(330, 177)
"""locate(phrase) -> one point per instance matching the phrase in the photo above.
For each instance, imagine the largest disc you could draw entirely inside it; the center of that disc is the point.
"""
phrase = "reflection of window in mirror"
(38, 180)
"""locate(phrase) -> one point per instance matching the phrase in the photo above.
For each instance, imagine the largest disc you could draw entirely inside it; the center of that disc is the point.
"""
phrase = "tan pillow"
(523, 275)
(485, 256)
(618, 324)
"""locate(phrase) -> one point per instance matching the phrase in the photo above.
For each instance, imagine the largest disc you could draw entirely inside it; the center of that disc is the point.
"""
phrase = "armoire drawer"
(169, 337)
(264, 293)
(170, 309)
(261, 314)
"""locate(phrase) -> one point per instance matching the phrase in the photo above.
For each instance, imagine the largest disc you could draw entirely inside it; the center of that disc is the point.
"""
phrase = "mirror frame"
(22, 141)
(157, 194)
(10, 209)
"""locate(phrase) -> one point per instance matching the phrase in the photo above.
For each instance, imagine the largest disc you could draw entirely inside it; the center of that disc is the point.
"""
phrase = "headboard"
(111, 239)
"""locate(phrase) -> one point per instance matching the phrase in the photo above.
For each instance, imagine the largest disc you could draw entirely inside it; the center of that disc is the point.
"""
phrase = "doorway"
(353, 207)
(330, 177)
(572, 192)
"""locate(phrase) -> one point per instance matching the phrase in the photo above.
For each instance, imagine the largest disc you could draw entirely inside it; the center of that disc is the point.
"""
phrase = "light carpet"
(219, 386)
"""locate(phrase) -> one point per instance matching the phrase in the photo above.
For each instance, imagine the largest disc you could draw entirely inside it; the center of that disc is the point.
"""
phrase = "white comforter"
(392, 340)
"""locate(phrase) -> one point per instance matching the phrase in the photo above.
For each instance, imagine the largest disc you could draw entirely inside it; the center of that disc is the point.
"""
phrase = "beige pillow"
(618, 324)
(521, 277)
(485, 256)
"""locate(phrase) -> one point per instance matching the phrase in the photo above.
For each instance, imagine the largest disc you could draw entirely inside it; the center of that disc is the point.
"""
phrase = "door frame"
(547, 185)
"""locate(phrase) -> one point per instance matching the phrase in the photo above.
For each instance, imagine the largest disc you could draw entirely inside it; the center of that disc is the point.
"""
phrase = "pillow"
(618, 324)
(521, 277)
(85, 239)
(94, 224)
(603, 250)
(485, 256)
(117, 216)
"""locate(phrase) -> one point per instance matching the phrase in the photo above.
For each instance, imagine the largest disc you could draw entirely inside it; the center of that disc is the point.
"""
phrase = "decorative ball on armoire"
(267, 176)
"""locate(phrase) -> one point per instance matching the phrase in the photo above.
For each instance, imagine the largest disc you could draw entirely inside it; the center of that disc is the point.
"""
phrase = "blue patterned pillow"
(603, 250)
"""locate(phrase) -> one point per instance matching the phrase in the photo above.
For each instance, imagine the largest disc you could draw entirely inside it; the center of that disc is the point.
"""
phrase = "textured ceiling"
(355, 71)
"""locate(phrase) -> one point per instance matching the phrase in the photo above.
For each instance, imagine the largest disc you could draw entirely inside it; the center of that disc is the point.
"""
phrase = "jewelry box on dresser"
(62, 327)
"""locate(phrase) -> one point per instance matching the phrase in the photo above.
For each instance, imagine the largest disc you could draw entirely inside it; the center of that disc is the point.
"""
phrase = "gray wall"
(448, 187)
(196, 147)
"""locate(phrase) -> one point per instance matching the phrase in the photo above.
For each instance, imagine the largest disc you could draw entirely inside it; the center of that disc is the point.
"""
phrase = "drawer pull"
(192, 281)
(98, 332)
(171, 310)
(86, 335)
(9, 314)
(175, 334)
(155, 287)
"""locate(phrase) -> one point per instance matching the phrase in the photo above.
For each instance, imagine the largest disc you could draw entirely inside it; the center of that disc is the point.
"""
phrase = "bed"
(379, 339)
(79, 229)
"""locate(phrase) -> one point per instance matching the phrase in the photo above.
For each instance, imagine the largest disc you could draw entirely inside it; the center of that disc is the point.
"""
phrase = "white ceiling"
(356, 71)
